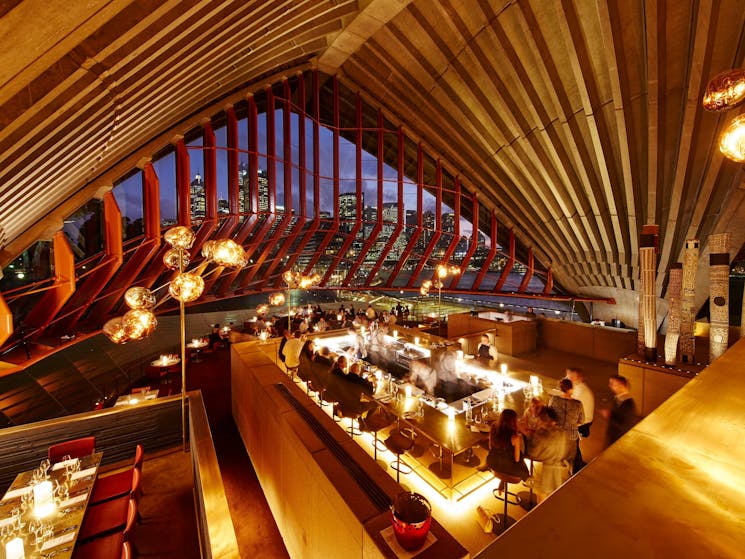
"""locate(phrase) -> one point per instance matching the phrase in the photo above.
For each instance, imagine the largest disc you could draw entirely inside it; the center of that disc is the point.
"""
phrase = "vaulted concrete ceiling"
(579, 122)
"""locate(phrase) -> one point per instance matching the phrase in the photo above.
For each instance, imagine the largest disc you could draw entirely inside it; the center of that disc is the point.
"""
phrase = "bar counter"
(328, 496)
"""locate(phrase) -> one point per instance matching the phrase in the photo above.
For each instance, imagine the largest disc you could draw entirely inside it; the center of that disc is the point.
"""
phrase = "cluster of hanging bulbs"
(296, 280)
(139, 322)
(725, 91)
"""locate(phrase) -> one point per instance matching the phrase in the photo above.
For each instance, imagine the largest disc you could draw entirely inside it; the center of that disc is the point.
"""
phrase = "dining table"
(37, 524)
(197, 344)
(135, 398)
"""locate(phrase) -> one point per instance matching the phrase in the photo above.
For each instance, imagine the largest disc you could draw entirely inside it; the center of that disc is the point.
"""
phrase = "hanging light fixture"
(296, 280)
(114, 330)
(179, 237)
(176, 259)
(725, 91)
(732, 141)
(139, 323)
(275, 299)
(139, 298)
(226, 252)
(186, 287)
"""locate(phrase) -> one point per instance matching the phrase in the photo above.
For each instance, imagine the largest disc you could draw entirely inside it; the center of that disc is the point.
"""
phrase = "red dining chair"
(119, 484)
(113, 545)
(76, 448)
(107, 517)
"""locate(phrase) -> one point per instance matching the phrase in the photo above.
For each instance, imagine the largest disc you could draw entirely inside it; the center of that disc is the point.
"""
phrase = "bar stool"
(399, 442)
(507, 479)
(375, 421)
(528, 499)
(343, 410)
(292, 372)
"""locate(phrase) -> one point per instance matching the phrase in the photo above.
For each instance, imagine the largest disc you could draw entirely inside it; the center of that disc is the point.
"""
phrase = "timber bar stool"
(507, 479)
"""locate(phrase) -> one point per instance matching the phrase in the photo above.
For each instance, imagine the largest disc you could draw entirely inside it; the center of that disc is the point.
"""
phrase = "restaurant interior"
(372, 278)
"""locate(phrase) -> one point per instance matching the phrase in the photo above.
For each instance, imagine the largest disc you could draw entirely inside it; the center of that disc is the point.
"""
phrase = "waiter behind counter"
(486, 353)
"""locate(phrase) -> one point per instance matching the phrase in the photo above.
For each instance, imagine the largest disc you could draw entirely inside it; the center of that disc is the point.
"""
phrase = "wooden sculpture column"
(675, 280)
(718, 295)
(688, 302)
(648, 263)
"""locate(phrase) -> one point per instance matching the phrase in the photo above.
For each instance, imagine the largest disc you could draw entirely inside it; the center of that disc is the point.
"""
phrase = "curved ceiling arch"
(581, 121)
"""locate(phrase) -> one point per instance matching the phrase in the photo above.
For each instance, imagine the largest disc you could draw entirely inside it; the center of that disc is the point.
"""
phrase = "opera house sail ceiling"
(533, 137)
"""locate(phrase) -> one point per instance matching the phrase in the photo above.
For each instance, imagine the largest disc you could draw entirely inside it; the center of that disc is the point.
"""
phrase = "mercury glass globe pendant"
(732, 141)
(186, 287)
(725, 91)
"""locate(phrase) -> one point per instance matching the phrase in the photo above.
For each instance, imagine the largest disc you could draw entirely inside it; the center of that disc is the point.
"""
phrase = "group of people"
(311, 318)
(337, 379)
(550, 434)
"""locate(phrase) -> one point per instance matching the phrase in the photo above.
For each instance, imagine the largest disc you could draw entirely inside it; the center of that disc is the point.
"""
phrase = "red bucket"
(411, 515)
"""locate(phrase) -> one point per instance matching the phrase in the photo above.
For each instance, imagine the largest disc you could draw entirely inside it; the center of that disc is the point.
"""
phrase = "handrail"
(216, 532)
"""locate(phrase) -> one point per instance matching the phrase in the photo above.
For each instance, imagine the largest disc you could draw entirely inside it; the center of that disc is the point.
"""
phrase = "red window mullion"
(437, 232)
(474, 241)
(335, 222)
(490, 255)
(528, 273)
(419, 210)
(508, 266)
(233, 195)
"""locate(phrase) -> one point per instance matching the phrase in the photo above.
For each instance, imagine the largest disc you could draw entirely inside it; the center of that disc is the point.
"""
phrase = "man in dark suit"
(622, 415)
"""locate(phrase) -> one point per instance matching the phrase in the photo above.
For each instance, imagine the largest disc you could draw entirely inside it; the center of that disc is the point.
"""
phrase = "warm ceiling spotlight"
(139, 298)
(139, 323)
(176, 258)
(179, 237)
(226, 252)
(732, 141)
(186, 287)
(725, 91)
(114, 330)
(277, 299)
(442, 271)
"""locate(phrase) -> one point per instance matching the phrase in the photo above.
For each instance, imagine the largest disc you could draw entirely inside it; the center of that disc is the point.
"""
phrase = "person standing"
(291, 351)
(486, 353)
(370, 313)
(582, 393)
(622, 414)
(569, 416)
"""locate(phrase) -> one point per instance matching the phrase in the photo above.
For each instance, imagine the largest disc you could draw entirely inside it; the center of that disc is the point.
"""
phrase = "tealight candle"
(43, 499)
(416, 341)
(408, 391)
(133, 401)
(395, 334)
(14, 549)
(451, 414)
(503, 368)
(533, 381)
